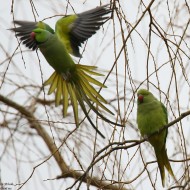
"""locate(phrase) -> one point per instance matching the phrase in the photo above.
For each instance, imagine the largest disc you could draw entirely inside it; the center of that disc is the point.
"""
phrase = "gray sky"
(101, 50)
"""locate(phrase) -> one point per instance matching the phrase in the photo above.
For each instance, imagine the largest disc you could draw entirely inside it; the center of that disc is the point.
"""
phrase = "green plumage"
(54, 51)
(63, 32)
(72, 30)
(70, 82)
(151, 117)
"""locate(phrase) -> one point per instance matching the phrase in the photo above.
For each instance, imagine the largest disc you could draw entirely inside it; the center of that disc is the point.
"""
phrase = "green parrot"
(72, 30)
(151, 117)
(69, 81)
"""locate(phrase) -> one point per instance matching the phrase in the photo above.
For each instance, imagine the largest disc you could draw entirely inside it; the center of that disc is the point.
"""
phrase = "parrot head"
(39, 35)
(143, 96)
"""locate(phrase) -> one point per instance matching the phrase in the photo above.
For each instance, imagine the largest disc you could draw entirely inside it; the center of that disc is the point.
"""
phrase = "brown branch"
(54, 150)
(134, 143)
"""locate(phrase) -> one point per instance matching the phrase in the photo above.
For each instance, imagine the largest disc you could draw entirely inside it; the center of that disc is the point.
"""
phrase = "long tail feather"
(77, 86)
(163, 161)
(73, 101)
(86, 113)
(86, 99)
(89, 89)
(90, 79)
(53, 85)
(58, 92)
(167, 164)
(161, 166)
(65, 94)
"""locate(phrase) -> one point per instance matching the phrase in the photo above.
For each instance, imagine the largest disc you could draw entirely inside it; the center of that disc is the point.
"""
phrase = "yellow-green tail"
(163, 161)
(78, 87)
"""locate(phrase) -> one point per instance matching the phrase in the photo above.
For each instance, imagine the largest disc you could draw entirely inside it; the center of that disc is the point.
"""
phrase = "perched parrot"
(151, 117)
(70, 81)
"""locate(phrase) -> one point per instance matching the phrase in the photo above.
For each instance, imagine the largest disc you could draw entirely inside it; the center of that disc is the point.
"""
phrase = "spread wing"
(74, 30)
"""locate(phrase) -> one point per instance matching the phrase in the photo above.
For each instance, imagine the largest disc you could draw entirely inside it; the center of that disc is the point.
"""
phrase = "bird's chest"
(57, 57)
(151, 121)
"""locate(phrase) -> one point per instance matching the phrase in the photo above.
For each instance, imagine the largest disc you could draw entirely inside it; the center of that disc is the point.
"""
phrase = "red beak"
(32, 35)
(140, 98)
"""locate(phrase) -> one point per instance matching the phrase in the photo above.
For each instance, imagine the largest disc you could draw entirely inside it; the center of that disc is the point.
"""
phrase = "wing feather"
(24, 30)
(74, 30)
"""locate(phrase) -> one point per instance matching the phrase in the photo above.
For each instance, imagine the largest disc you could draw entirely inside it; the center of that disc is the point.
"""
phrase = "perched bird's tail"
(78, 87)
(163, 161)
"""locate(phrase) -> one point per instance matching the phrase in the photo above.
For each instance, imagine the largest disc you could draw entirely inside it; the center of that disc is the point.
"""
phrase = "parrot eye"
(140, 98)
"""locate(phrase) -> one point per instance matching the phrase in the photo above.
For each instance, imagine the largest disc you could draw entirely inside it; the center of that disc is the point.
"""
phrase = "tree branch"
(66, 171)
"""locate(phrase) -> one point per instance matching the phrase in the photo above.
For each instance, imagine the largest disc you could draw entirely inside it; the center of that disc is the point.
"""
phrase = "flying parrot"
(151, 117)
(69, 81)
